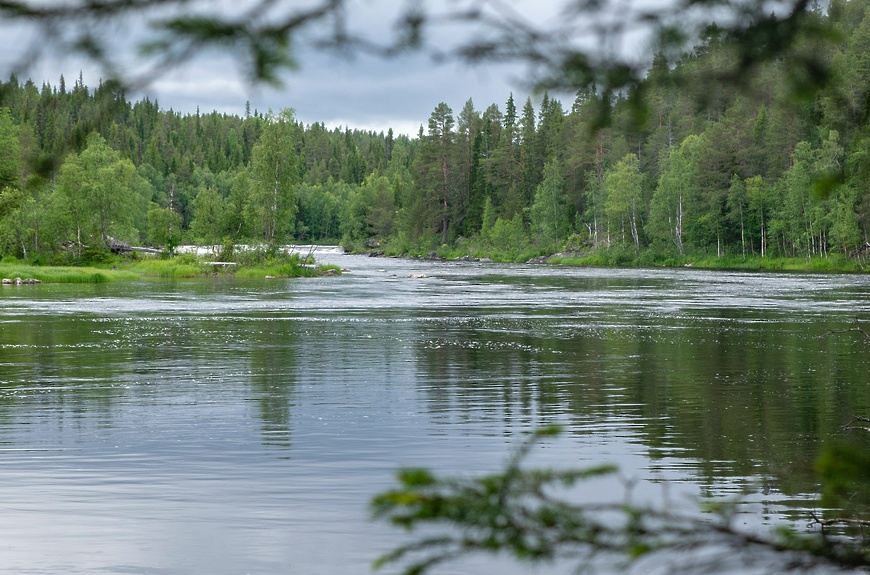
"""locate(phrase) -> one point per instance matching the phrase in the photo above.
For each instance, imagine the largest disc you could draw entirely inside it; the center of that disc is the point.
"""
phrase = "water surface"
(241, 426)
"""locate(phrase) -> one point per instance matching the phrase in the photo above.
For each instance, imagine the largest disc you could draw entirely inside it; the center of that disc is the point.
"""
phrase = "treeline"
(81, 167)
(690, 163)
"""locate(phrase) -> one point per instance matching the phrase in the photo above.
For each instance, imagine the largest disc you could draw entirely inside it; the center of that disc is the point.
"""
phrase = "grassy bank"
(613, 258)
(627, 258)
(118, 268)
(177, 267)
(287, 271)
(465, 250)
(64, 274)
(831, 264)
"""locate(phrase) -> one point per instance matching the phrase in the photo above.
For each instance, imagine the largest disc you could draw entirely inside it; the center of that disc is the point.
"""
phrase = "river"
(228, 426)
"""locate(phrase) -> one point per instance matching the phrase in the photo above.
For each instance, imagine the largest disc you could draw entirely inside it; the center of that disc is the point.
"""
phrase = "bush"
(228, 249)
(96, 255)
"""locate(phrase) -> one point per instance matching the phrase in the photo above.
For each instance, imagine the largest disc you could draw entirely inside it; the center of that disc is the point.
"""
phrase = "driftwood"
(857, 328)
(855, 424)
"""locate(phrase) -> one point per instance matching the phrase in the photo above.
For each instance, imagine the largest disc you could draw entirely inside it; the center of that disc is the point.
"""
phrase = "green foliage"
(172, 267)
(674, 205)
(275, 172)
(279, 264)
(97, 188)
(623, 186)
(10, 152)
(548, 213)
(508, 237)
(286, 270)
(164, 227)
(98, 254)
(381, 214)
(47, 274)
(751, 172)
(507, 511)
(530, 515)
(209, 223)
(227, 251)
(845, 473)
(617, 256)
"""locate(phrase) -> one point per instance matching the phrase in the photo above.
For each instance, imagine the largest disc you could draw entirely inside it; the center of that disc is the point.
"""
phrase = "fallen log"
(119, 247)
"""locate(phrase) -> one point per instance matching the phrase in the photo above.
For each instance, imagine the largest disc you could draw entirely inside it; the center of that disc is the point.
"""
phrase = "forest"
(685, 166)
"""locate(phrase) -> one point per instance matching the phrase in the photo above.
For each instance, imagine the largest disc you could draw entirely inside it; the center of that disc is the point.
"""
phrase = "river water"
(229, 426)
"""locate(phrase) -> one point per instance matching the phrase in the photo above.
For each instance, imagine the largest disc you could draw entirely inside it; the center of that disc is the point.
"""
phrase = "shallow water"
(241, 426)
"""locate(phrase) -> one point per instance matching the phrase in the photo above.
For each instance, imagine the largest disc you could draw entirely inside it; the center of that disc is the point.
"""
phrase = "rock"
(376, 253)
(270, 277)
(20, 282)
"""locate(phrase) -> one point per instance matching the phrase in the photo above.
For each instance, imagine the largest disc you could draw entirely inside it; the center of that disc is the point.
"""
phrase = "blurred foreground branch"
(518, 512)
(606, 45)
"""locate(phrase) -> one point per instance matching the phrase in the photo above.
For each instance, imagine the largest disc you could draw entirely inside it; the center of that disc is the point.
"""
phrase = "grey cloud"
(364, 91)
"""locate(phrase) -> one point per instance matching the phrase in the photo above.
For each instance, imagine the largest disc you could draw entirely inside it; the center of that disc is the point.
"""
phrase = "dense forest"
(689, 164)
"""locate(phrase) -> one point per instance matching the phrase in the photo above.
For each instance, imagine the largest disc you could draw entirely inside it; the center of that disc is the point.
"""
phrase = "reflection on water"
(234, 426)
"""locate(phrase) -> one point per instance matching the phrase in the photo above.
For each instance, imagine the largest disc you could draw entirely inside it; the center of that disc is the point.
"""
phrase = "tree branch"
(857, 419)
(857, 328)
(818, 521)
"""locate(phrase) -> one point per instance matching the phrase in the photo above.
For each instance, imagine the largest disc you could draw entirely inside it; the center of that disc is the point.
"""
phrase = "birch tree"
(623, 187)
(270, 208)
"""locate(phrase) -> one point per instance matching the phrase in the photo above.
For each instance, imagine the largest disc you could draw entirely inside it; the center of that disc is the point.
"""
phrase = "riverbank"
(64, 274)
(256, 264)
(615, 258)
(818, 264)
(182, 266)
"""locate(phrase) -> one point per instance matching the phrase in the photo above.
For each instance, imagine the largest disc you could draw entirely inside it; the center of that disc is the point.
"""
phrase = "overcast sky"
(363, 92)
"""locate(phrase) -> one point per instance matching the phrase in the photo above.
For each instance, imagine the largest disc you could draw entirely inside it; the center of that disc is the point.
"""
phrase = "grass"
(468, 248)
(63, 274)
(182, 266)
(621, 258)
(285, 270)
(830, 264)
(178, 267)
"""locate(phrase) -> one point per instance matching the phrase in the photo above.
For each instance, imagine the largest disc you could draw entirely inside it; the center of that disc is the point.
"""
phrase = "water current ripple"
(240, 426)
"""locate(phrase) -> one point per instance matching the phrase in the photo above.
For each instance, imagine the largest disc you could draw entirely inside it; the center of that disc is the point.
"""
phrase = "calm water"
(233, 427)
